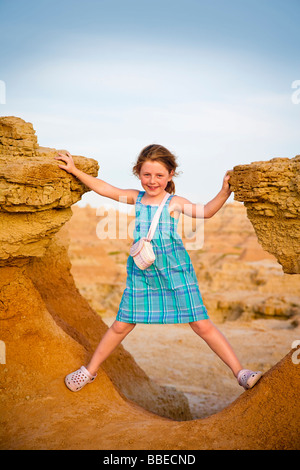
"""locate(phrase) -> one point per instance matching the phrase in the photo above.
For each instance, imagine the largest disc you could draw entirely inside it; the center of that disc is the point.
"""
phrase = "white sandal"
(247, 378)
(78, 379)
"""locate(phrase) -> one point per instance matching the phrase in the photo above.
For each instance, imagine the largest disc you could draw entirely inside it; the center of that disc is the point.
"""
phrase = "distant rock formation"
(237, 277)
(270, 191)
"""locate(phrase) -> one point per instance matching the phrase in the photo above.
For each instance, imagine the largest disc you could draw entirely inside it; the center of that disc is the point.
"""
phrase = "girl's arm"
(217, 202)
(199, 211)
(127, 196)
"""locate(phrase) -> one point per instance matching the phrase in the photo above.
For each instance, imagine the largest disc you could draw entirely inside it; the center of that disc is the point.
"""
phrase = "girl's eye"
(147, 174)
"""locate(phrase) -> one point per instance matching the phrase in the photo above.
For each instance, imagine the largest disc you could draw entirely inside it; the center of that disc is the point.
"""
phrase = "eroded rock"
(49, 330)
(270, 191)
(32, 189)
(42, 313)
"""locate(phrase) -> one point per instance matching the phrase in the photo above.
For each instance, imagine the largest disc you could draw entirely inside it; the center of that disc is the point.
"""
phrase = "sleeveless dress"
(167, 291)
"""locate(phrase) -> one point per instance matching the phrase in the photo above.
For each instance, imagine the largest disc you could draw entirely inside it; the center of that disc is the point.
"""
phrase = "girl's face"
(154, 177)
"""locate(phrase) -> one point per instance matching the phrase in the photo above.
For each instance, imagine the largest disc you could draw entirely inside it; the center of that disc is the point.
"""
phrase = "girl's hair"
(159, 154)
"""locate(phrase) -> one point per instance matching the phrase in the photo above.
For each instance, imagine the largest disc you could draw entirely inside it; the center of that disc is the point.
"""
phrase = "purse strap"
(156, 218)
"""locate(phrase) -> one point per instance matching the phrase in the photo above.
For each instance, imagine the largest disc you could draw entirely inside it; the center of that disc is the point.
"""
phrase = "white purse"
(142, 251)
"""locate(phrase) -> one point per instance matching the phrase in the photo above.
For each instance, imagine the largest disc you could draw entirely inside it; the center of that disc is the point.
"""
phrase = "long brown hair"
(160, 154)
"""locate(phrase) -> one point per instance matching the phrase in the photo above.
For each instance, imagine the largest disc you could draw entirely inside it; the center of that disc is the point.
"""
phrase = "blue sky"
(211, 80)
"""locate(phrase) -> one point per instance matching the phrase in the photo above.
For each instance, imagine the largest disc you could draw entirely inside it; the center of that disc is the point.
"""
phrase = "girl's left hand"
(226, 185)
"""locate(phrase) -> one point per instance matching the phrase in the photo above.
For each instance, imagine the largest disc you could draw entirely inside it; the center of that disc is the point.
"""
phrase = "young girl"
(167, 291)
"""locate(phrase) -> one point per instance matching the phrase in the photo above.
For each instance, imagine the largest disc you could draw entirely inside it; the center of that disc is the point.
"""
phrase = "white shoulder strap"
(156, 218)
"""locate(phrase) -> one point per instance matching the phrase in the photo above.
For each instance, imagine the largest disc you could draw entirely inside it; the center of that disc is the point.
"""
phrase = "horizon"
(216, 84)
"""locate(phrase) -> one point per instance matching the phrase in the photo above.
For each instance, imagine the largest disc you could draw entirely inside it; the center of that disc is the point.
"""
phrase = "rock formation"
(36, 196)
(49, 330)
(270, 191)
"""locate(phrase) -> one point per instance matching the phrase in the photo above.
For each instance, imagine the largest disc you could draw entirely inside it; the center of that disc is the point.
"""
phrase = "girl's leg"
(112, 338)
(218, 343)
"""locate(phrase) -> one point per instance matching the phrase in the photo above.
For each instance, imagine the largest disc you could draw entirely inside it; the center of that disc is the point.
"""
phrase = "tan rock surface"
(32, 188)
(38, 412)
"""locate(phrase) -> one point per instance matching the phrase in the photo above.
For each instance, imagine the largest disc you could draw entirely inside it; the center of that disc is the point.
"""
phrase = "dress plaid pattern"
(167, 291)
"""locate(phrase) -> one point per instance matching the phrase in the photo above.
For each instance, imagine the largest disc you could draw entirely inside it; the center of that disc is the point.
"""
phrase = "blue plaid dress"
(167, 291)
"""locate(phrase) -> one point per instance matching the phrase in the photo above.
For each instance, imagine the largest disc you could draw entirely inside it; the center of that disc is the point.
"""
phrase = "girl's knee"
(202, 327)
(120, 327)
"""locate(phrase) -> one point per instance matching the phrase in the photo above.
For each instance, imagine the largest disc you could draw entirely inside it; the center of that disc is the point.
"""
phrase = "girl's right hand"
(226, 185)
(68, 159)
